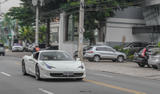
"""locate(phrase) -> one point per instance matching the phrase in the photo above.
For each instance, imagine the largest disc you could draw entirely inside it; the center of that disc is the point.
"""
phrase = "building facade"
(128, 25)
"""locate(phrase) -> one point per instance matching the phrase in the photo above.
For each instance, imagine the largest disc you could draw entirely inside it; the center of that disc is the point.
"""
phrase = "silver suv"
(97, 53)
(2, 49)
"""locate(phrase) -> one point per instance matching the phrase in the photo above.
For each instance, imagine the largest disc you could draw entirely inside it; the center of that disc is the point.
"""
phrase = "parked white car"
(17, 48)
(53, 64)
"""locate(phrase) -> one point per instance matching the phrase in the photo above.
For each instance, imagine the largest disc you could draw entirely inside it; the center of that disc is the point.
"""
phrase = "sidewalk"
(127, 68)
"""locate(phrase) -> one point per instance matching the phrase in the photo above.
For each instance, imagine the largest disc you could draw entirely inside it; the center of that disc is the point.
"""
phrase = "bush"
(129, 53)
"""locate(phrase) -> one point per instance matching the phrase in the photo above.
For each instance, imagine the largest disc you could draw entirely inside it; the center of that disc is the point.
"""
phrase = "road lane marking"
(6, 74)
(18, 63)
(114, 87)
(45, 91)
(104, 75)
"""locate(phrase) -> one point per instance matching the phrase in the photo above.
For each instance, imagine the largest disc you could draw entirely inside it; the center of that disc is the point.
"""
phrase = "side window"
(110, 49)
(35, 56)
(101, 49)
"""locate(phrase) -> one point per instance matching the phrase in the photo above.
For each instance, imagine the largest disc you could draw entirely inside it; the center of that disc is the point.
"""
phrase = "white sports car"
(53, 64)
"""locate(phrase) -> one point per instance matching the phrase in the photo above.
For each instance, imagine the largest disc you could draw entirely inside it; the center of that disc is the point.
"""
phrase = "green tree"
(26, 33)
(42, 33)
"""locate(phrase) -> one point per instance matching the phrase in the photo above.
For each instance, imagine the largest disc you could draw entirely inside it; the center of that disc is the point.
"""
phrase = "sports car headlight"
(82, 67)
(48, 66)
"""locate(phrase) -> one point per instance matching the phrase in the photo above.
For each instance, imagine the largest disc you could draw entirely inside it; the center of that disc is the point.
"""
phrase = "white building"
(118, 29)
(128, 25)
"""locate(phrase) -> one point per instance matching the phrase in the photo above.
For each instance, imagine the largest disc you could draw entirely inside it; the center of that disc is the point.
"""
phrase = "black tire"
(24, 72)
(37, 73)
(96, 58)
(154, 67)
(3, 54)
(120, 58)
(141, 65)
(114, 60)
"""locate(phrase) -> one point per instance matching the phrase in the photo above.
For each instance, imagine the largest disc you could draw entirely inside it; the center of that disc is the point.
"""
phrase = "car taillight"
(90, 52)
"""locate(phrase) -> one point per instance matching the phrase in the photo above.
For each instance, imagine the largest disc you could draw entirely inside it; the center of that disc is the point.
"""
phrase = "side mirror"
(77, 59)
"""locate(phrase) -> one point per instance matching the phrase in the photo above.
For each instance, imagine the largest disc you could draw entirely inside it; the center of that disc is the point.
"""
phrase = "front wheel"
(37, 73)
(24, 68)
(120, 58)
(96, 58)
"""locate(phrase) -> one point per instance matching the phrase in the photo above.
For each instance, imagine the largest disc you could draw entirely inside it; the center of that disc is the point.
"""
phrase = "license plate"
(68, 73)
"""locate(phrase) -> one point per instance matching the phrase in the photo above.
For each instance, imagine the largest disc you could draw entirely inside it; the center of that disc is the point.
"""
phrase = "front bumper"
(62, 74)
(17, 49)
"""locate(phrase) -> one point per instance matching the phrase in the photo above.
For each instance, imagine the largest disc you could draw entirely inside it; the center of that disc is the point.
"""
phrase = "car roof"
(51, 51)
(102, 46)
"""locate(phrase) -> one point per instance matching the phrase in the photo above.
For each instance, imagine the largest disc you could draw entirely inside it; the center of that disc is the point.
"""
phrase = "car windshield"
(60, 56)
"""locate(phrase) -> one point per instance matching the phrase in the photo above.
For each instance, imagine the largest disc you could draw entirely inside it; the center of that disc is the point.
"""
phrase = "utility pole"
(37, 25)
(36, 3)
(81, 30)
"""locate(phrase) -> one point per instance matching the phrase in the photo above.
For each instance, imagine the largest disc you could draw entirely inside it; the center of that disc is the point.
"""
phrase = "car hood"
(64, 64)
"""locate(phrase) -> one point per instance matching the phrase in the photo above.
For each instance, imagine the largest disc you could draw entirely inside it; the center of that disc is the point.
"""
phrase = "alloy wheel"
(120, 59)
(96, 58)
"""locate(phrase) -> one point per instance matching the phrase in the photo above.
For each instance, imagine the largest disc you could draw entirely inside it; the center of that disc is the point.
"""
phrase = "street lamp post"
(36, 4)
(81, 30)
(37, 25)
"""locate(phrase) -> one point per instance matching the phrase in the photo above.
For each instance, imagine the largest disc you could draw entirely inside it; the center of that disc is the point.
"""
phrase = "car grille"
(66, 74)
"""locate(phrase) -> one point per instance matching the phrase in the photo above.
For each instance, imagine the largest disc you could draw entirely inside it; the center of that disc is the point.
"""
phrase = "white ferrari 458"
(53, 64)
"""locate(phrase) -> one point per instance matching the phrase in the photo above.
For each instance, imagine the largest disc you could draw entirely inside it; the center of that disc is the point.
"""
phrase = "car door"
(105, 52)
(28, 62)
(109, 53)
(34, 61)
(100, 51)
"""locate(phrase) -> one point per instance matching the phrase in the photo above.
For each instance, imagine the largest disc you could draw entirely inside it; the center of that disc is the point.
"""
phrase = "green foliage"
(128, 52)
(42, 33)
(26, 33)
(24, 15)
(1, 41)
(159, 44)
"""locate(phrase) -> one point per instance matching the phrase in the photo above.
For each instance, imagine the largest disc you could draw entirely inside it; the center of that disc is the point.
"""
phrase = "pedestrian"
(36, 48)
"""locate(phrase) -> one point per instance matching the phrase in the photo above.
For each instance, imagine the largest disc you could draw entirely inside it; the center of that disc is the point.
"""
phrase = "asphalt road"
(12, 82)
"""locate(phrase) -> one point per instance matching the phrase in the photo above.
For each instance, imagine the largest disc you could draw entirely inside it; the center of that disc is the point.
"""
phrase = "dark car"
(136, 46)
(2, 49)
(53, 47)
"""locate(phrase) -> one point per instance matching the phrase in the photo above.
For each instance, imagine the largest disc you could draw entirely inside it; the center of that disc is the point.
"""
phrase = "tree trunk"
(48, 33)
(100, 33)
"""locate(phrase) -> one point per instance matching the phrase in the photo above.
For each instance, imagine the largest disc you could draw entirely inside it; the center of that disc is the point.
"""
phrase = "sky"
(8, 4)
